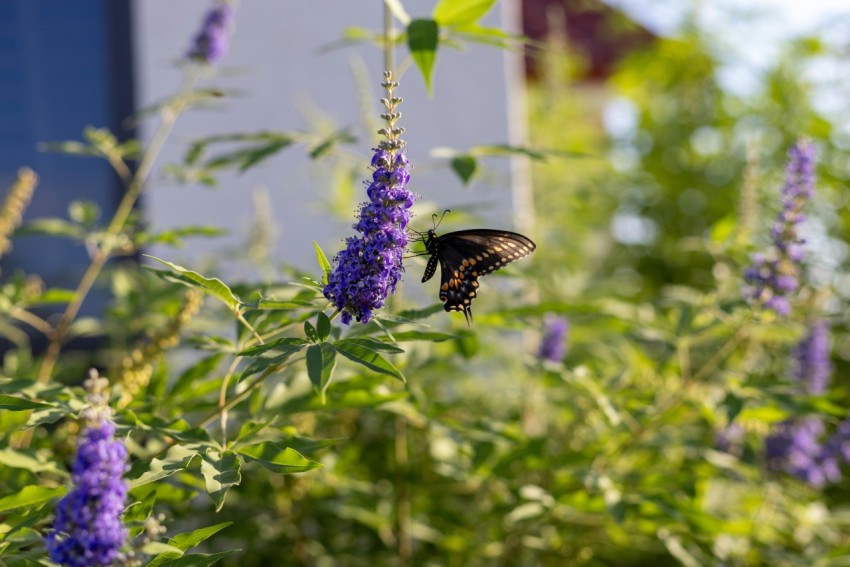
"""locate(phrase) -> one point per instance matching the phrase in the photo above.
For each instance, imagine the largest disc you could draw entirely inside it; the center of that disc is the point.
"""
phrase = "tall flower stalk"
(87, 530)
(369, 268)
(774, 275)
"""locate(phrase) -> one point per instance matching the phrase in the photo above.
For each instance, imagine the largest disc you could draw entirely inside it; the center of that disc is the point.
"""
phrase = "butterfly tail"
(467, 312)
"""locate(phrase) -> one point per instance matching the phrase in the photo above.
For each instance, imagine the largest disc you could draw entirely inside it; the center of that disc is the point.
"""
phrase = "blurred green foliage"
(308, 447)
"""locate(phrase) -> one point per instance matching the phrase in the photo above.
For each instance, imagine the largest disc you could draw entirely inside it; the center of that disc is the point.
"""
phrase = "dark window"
(63, 66)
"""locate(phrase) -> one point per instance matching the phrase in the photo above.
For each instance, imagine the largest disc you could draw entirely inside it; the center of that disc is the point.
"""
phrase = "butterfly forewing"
(466, 255)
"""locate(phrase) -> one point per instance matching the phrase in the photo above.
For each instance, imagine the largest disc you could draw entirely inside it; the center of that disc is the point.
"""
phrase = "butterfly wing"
(466, 255)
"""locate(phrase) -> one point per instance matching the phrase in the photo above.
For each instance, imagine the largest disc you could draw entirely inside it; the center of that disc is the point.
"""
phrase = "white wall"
(275, 59)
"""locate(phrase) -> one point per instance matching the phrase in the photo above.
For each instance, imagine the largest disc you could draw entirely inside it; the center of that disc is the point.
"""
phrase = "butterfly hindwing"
(466, 255)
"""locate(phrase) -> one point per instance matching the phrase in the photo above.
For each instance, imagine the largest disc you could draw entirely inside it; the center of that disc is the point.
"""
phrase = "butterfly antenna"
(438, 222)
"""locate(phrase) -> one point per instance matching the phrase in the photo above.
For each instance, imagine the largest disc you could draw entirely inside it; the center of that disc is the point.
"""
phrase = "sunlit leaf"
(221, 471)
(280, 460)
(213, 286)
(458, 12)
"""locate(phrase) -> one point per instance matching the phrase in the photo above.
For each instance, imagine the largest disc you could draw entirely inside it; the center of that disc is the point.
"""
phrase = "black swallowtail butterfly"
(465, 256)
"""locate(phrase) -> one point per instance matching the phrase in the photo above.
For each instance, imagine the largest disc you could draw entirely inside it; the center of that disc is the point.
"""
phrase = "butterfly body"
(466, 255)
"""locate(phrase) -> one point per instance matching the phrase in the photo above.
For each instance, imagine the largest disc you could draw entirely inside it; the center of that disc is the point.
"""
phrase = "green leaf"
(30, 496)
(13, 403)
(280, 460)
(368, 358)
(197, 559)
(311, 332)
(371, 344)
(178, 458)
(191, 539)
(321, 360)
(33, 461)
(220, 471)
(324, 265)
(422, 38)
(285, 344)
(213, 286)
(459, 12)
(323, 327)
(432, 336)
(465, 167)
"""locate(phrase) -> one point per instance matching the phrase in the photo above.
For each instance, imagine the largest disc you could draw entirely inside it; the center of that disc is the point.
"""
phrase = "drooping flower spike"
(87, 530)
(369, 268)
(774, 275)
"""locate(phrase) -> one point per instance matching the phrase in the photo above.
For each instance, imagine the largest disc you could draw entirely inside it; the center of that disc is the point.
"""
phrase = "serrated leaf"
(220, 471)
(368, 358)
(14, 403)
(213, 286)
(321, 360)
(324, 264)
(465, 167)
(280, 460)
(178, 458)
(423, 36)
(30, 496)
(323, 327)
(460, 12)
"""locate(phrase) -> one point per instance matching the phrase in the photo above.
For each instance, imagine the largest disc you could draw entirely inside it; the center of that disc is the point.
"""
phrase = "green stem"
(169, 116)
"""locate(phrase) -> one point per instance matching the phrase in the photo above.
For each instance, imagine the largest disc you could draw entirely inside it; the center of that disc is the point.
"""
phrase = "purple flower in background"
(794, 447)
(775, 275)
(553, 343)
(370, 266)
(811, 364)
(212, 42)
(88, 530)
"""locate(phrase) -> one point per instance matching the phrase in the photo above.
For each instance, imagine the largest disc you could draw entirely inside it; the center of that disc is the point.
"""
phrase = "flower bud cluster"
(212, 42)
(87, 530)
(775, 274)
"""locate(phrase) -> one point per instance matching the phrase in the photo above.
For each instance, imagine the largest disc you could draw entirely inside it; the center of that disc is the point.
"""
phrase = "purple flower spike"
(553, 344)
(88, 531)
(811, 364)
(370, 266)
(775, 276)
(794, 447)
(212, 42)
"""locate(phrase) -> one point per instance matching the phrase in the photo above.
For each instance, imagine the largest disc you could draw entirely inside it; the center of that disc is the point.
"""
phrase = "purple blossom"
(370, 266)
(553, 343)
(212, 42)
(794, 447)
(811, 364)
(88, 530)
(774, 276)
